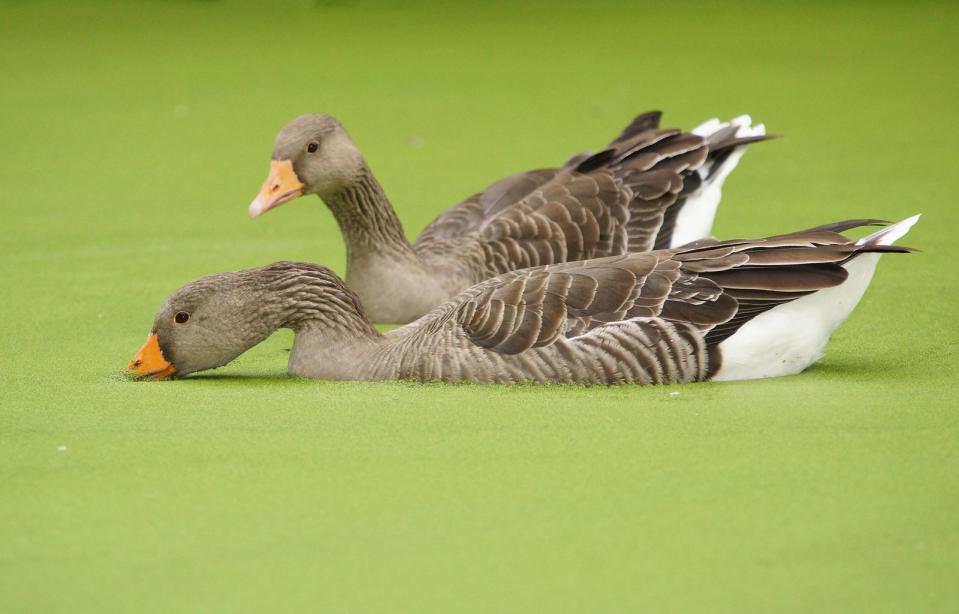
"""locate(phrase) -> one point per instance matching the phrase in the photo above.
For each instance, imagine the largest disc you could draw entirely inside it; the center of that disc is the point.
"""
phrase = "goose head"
(203, 325)
(313, 154)
(208, 322)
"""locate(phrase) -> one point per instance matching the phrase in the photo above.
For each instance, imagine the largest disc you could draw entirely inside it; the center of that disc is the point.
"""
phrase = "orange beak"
(281, 186)
(149, 361)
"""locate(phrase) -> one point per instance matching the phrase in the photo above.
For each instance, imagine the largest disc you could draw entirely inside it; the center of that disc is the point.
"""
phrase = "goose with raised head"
(709, 310)
(650, 188)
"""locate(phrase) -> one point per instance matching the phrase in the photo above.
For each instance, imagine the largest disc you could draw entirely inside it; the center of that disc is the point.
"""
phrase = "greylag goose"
(726, 310)
(649, 188)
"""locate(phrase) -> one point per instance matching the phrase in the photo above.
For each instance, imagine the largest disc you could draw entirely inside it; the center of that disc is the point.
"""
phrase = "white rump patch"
(695, 219)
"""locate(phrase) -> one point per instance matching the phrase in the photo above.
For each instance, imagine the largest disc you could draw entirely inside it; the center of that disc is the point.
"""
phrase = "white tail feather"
(890, 234)
(787, 339)
(695, 219)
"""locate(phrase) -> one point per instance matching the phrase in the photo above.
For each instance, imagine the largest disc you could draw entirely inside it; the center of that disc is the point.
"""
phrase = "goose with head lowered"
(650, 188)
(709, 310)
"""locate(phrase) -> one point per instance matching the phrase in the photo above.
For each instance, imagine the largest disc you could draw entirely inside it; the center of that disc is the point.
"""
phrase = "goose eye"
(181, 317)
(312, 147)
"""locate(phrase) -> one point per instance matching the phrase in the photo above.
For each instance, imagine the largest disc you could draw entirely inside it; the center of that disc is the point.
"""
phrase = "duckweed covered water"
(135, 135)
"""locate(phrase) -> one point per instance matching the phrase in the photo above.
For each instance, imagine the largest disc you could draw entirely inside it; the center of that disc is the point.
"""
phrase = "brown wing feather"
(622, 199)
(572, 218)
(641, 123)
(716, 288)
(467, 216)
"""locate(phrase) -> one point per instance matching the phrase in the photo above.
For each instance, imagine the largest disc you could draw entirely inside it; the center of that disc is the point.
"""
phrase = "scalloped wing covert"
(716, 287)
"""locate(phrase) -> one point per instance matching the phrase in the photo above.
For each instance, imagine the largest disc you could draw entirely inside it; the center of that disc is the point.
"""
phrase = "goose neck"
(366, 218)
(314, 299)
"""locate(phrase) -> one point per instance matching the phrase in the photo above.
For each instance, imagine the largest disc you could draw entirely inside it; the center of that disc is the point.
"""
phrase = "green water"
(135, 134)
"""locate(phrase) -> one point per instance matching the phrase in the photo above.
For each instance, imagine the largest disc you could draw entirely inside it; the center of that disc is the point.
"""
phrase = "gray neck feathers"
(306, 297)
(366, 219)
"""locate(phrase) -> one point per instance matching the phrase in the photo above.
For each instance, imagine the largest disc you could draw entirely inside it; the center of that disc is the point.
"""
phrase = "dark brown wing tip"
(652, 116)
(845, 225)
(887, 249)
(642, 122)
(739, 141)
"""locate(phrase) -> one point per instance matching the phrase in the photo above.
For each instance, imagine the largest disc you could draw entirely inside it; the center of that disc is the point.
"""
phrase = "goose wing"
(713, 286)
(624, 198)
(469, 215)
(466, 217)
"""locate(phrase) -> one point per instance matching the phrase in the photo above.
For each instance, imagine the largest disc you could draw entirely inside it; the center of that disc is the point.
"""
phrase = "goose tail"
(789, 337)
(890, 234)
(728, 142)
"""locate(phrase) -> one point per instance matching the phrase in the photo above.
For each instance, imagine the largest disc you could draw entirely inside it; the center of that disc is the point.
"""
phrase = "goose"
(649, 188)
(709, 310)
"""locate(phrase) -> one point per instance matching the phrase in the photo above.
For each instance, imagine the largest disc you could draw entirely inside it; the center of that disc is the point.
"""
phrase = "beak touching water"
(149, 361)
(282, 185)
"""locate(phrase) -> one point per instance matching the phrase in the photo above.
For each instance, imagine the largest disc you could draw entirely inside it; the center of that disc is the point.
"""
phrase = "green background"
(135, 134)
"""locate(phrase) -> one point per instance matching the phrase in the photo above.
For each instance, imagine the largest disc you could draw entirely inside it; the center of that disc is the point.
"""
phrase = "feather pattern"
(653, 317)
(650, 317)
